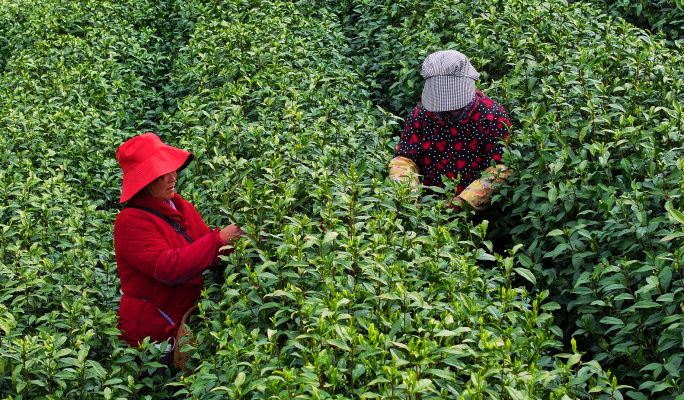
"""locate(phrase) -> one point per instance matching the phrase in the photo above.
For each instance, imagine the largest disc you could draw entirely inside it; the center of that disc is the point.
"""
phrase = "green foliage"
(592, 202)
(78, 78)
(597, 110)
(356, 287)
(666, 16)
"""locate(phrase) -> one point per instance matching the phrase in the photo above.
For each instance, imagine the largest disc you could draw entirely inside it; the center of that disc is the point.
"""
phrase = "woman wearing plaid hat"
(455, 132)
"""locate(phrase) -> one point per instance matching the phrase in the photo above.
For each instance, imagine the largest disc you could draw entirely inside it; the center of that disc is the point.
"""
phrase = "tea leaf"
(525, 273)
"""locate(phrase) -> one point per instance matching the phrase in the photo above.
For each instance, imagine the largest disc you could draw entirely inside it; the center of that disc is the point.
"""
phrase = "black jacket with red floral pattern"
(443, 146)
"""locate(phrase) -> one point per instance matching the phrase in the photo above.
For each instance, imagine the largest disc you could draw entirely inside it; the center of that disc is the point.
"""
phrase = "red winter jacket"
(160, 272)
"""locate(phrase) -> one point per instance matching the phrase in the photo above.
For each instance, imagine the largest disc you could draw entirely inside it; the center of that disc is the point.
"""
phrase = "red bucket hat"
(145, 158)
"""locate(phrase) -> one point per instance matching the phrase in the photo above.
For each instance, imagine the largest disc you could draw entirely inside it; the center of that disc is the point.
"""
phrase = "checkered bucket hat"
(449, 81)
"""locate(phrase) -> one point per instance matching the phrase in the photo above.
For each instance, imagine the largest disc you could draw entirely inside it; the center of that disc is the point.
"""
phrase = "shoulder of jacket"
(190, 211)
(182, 200)
(187, 205)
(128, 214)
(495, 104)
(179, 199)
(417, 110)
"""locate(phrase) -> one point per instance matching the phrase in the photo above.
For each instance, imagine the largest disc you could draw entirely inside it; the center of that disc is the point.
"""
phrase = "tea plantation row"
(354, 290)
(357, 292)
(346, 296)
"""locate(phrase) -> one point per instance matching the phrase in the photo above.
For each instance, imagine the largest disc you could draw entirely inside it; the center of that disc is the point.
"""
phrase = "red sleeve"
(197, 219)
(411, 142)
(204, 229)
(497, 135)
(143, 245)
(181, 265)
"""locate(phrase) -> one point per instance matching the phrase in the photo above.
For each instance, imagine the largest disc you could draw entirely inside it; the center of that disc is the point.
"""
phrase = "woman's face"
(164, 187)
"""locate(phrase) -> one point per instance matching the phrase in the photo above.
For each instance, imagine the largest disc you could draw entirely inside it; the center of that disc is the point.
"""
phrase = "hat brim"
(447, 93)
(166, 159)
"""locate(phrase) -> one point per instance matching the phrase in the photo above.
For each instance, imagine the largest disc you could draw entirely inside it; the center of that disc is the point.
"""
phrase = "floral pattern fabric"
(441, 145)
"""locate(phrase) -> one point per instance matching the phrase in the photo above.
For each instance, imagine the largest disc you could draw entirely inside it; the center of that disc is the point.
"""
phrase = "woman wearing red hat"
(162, 244)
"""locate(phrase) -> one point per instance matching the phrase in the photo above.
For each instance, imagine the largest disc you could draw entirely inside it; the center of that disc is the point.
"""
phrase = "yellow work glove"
(400, 167)
(478, 193)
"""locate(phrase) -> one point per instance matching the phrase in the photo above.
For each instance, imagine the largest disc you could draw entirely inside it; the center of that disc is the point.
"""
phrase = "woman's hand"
(455, 204)
(230, 233)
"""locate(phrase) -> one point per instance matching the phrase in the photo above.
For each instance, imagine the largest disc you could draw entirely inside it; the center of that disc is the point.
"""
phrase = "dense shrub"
(358, 287)
(666, 16)
(597, 111)
(355, 289)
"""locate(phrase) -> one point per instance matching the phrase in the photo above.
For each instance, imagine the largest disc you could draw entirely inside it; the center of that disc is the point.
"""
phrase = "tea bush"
(665, 16)
(597, 108)
(597, 198)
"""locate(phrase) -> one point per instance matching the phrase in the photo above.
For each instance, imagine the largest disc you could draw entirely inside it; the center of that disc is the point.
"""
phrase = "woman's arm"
(410, 152)
(227, 234)
(401, 167)
(181, 265)
(478, 193)
(139, 242)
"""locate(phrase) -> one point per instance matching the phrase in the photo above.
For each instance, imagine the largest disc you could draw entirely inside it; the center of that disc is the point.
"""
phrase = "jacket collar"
(145, 200)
